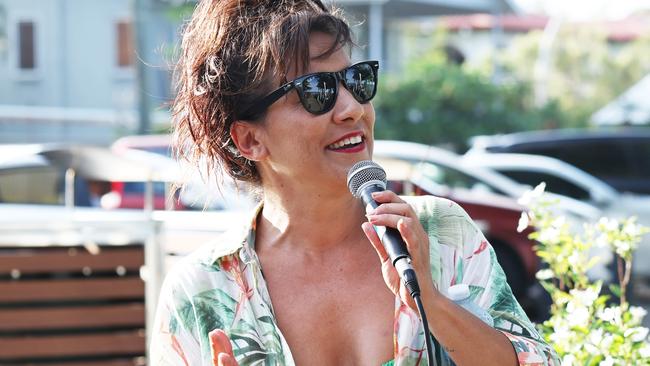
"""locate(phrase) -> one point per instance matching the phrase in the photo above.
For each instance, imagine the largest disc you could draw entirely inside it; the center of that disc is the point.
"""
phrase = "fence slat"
(75, 317)
(71, 289)
(134, 361)
(114, 343)
(29, 261)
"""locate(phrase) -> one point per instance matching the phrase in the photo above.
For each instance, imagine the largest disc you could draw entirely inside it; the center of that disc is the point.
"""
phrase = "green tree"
(437, 102)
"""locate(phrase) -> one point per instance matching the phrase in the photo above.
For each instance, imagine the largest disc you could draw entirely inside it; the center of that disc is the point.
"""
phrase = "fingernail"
(374, 194)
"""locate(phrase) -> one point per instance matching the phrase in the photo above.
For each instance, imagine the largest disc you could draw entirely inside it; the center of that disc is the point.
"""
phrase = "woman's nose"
(347, 108)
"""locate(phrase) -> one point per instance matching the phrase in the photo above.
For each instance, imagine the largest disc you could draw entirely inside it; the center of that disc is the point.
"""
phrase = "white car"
(565, 179)
(450, 170)
(440, 170)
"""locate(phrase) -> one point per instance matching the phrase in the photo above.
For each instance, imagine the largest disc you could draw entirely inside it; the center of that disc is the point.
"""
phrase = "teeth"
(347, 141)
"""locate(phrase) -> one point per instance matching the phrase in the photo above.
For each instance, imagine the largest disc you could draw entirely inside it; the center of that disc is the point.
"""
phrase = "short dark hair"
(232, 53)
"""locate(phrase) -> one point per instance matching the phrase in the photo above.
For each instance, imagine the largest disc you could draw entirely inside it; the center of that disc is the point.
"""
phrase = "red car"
(132, 193)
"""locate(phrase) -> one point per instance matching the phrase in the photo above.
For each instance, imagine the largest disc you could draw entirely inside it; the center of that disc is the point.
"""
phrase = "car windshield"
(453, 178)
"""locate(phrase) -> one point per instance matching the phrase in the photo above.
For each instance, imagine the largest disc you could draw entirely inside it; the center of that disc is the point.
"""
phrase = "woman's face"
(313, 149)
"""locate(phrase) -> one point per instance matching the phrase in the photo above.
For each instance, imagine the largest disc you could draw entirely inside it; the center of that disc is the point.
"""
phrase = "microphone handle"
(390, 237)
(394, 245)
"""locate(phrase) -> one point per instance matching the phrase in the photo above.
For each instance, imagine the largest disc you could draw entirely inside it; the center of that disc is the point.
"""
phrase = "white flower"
(524, 220)
(575, 259)
(638, 313)
(532, 196)
(561, 335)
(644, 351)
(602, 241)
(544, 274)
(631, 228)
(586, 296)
(593, 350)
(622, 247)
(568, 360)
(596, 336)
(549, 235)
(579, 316)
(637, 334)
(608, 361)
(608, 224)
(607, 341)
(539, 190)
(612, 315)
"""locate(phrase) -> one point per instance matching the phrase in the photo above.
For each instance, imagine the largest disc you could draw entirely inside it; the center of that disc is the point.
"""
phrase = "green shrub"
(586, 327)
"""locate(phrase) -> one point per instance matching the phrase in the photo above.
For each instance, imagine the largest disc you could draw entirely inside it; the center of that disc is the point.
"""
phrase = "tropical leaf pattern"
(221, 286)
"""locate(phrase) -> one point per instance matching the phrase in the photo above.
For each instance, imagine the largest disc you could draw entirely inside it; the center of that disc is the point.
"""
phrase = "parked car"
(489, 198)
(449, 170)
(620, 157)
(201, 192)
(567, 180)
(495, 215)
(74, 175)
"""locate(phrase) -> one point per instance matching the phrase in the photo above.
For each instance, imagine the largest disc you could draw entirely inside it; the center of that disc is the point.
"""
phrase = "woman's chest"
(335, 318)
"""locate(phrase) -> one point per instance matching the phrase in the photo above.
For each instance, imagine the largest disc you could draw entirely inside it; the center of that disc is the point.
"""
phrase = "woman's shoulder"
(429, 207)
(443, 219)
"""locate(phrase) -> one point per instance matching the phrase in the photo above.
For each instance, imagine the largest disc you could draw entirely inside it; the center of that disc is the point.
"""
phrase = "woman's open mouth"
(348, 144)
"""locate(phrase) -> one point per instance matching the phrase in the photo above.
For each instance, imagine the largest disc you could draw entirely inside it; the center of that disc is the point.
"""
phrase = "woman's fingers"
(386, 196)
(388, 271)
(392, 220)
(375, 241)
(222, 354)
(398, 208)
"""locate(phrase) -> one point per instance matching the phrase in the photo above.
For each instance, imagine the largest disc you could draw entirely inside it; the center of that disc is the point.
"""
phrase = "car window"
(638, 151)
(554, 183)
(138, 188)
(454, 179)
(37, 185)
(599, 158)
(160, 150)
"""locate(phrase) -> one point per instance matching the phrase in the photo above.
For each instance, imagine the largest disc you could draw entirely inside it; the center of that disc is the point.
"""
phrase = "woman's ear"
(245, 137)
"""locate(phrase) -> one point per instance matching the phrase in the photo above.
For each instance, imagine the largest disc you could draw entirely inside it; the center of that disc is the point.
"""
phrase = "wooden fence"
(62, 305)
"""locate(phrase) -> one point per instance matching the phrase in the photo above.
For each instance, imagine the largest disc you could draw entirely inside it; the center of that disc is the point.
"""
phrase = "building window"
(27, 44)
(125, 49)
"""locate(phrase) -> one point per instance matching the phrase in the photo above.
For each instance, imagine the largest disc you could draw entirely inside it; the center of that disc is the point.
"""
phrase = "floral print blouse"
(221, 286)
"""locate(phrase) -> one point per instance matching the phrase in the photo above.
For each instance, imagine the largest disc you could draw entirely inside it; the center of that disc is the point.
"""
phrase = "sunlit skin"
(334, 302)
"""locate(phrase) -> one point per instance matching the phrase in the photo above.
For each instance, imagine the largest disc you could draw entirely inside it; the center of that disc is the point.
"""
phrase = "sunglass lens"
(318, 92)
(360, 81)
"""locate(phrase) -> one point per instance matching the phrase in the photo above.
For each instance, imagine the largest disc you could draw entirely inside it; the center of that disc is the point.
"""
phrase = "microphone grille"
(364, 172)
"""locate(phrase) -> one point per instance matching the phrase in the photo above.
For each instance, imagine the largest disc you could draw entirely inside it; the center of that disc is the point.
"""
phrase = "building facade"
(68, 68)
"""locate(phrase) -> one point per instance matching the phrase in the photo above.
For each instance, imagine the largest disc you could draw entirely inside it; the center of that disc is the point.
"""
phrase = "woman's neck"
(309, 220)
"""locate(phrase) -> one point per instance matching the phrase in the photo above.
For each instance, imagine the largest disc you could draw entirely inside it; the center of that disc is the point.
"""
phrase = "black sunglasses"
(318, 91)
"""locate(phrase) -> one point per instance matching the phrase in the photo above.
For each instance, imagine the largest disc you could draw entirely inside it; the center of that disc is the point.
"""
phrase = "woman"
(298, 283)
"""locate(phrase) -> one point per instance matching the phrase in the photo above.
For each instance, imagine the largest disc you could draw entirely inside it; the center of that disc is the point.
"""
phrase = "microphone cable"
(427, 333)
(411, 283)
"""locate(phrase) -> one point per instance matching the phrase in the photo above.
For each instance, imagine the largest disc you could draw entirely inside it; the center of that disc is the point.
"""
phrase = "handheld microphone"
(364, 178)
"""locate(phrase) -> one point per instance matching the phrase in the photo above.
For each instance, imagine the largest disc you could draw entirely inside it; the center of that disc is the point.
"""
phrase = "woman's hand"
(394, 212)
(221, 349)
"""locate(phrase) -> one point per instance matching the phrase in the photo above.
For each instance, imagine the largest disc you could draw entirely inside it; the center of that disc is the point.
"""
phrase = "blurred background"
(479, 101)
